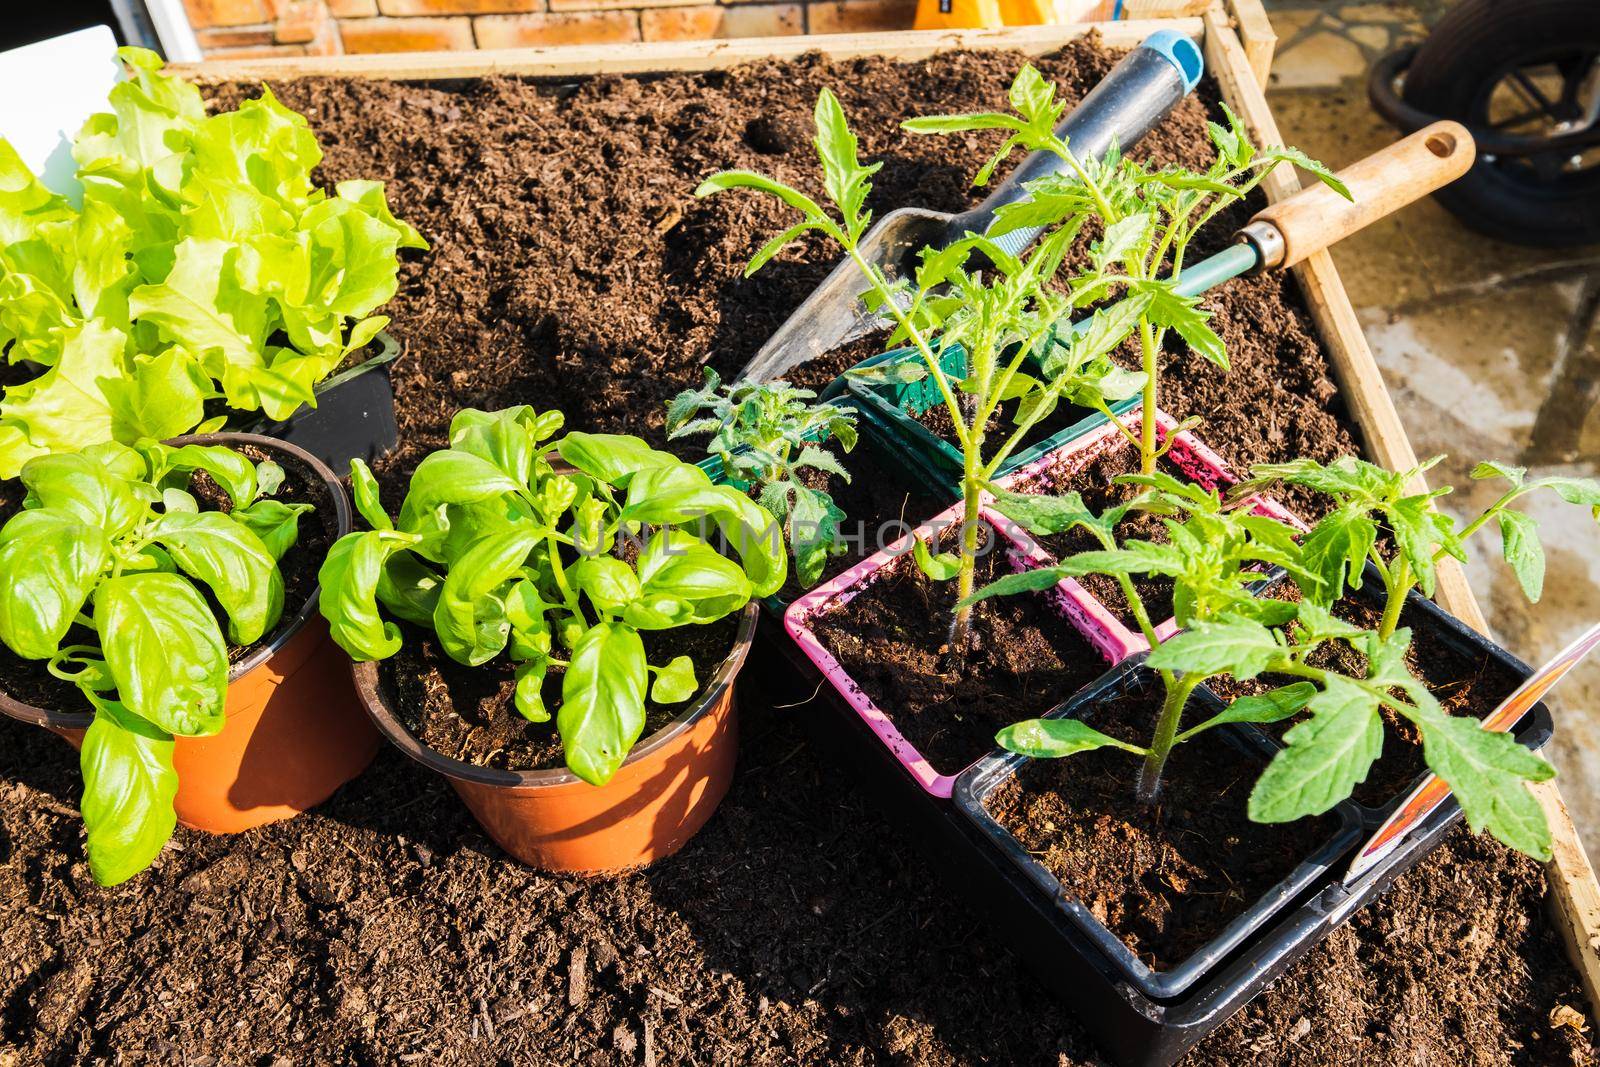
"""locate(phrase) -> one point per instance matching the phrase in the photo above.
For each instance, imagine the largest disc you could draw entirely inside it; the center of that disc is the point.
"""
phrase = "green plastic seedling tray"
(895, 409)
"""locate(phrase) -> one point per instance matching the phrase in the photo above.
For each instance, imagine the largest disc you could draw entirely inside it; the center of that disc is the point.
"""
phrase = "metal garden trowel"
(1138, 93)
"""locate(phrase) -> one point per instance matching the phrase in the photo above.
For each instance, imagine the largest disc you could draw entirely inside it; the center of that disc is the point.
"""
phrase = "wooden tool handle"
(1385, 181)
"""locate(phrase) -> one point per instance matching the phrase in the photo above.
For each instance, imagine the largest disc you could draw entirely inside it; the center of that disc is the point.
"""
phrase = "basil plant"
(497, 551)
(104, 566)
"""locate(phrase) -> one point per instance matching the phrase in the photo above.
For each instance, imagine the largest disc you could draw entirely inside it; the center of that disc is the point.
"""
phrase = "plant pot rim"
(286, 631)
(366, 679)
(1185, 443)
(1080, 612)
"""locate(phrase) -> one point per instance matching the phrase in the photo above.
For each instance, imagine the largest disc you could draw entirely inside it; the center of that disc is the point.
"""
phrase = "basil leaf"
(700, 584)
(85, 489)
(349, 579)
(498, 437)
(675, 682)
(469, 618)
(451, 477)
(369, 504)
(227, 556)
(51, 562)
(231, 470)
(613, 458)
(529, 693)
(610, 583)
(409, 588)
(602, 701)
(164, 650)
(128, 787)
(277, 524)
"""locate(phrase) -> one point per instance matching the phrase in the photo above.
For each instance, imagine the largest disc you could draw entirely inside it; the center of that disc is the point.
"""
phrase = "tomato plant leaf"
(1519, 535)
(1327, 756)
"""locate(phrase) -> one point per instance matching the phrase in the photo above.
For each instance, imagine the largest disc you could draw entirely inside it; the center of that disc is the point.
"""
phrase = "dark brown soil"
(602, 287)
(1463, 685)
(467, 713)
(1001, 426)
(938, 422)
(573, 268)
(1167, 877)
(817, 374)
(892, 640)
(29, 681)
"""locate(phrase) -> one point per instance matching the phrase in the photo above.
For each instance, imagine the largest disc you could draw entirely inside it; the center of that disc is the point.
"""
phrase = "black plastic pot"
(1133, 1029)
(354, 416)
(978, 782)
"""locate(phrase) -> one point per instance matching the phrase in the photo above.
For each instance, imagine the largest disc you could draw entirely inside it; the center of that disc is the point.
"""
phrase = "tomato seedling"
(1147, 219)
(765, 434)
(1212, 556)
(1004, 317)
(1370, 503)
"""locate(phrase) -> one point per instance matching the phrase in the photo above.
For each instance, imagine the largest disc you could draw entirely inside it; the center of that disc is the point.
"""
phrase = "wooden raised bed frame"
(1238, 42)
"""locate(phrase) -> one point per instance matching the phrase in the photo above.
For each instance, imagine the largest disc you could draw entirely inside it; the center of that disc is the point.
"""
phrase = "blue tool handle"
(1138, 93)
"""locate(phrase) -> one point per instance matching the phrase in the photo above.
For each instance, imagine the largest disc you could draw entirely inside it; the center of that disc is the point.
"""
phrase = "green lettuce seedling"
(496, 552)
(1147, 219)
(1369, 502)
(203, 264)
(765, 434)
(111, 541)
(1003, 315)
(1212, 556)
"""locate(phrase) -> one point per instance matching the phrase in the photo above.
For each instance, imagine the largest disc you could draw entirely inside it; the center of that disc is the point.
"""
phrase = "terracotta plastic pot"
(294, 730)
(659, 798)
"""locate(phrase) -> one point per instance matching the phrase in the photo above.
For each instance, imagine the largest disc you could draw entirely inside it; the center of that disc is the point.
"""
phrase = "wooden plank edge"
(571, 61)
(1575, 895)
(1256, 34)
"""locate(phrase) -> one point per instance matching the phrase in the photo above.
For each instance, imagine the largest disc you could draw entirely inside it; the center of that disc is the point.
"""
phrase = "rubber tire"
(1457, 66)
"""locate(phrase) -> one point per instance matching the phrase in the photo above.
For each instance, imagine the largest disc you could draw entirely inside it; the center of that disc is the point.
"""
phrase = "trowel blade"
(834, 315)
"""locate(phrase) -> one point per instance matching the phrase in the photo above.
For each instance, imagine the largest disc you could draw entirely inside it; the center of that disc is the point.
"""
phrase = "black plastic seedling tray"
(978, 783)
(1134, 1029)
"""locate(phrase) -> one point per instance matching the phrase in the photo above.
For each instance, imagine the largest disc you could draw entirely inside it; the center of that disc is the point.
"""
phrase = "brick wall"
(244, 28)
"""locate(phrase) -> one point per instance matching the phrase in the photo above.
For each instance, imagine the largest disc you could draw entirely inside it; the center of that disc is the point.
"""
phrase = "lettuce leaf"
(205, 262)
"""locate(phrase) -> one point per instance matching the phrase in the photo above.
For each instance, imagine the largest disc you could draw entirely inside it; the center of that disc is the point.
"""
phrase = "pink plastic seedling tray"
(1199, 463)
(1086, 614)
